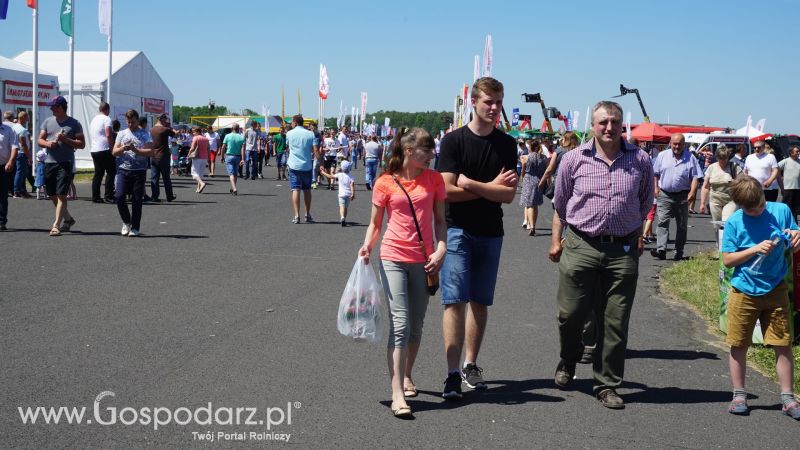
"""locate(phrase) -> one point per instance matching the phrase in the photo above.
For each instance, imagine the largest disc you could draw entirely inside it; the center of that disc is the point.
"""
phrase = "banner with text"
(19, 93)
(155, 106)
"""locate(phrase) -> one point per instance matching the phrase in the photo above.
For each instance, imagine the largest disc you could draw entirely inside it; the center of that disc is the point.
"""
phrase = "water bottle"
(755, 267)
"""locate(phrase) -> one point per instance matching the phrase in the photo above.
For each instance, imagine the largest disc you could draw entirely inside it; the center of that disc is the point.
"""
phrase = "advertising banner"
(155, 106)
(19, 93)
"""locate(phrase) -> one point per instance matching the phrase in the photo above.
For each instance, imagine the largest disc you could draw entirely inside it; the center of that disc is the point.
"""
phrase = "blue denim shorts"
(344, 201)
(469, 272)
(232, 163)
(299, 180)
(280, 159)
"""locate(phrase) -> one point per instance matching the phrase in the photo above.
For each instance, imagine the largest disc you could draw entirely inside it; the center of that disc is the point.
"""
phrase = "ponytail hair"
(406, 138)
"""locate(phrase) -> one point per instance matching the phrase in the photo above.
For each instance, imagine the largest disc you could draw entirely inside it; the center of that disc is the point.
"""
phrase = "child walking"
(759, 230)
(41, 155)
(346, 189)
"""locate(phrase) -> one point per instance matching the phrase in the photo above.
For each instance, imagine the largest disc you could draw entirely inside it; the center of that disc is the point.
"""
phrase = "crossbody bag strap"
(413, 215)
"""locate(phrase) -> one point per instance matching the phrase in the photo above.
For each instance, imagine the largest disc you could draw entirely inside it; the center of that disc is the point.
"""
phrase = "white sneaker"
(126, 229)
(134, 232)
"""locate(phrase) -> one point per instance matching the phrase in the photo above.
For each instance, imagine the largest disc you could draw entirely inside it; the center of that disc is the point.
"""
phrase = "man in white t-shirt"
(213, 146)
(331, 148)
(372, 157)
(104, 162)
(763, 167)
(437, 146)
(344, 144)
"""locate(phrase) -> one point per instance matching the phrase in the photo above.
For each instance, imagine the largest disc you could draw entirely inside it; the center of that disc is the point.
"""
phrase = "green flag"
(66, 17)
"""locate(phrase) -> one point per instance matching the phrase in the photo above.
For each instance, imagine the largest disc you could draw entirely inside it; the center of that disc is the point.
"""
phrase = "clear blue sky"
(698, 62)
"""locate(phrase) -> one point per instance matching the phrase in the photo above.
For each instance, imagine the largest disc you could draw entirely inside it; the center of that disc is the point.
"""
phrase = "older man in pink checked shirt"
(603, 193)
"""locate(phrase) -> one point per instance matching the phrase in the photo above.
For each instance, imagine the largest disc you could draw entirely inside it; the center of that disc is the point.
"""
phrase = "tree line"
(433, 121)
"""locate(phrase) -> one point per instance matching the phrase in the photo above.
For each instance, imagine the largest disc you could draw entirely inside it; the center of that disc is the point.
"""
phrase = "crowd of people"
(444, 224)
(121, 173)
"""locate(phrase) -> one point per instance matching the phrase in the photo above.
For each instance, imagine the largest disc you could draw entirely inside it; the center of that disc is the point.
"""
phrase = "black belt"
(686, 192)
(604, 239)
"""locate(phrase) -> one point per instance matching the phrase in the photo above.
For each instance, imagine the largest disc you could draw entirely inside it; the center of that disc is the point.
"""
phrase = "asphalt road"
(223, 300)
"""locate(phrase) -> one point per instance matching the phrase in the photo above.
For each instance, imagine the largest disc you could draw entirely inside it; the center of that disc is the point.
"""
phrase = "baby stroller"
(184, 165)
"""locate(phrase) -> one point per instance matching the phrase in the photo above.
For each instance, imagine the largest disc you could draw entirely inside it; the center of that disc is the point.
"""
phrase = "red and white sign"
(18, 93)
(155, 106)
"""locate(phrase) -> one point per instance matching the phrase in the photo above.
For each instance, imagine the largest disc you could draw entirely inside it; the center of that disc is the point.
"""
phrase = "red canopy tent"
(651, 132)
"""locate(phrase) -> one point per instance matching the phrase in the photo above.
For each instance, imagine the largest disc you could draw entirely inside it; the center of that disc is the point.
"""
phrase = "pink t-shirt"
(400, 241)
(202, 146)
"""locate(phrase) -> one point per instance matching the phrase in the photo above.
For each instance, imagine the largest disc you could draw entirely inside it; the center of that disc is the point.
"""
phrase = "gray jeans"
(672, 206)
(408, 296)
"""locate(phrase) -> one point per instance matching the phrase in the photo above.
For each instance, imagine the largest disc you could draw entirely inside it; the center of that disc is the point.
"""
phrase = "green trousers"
(597, 279)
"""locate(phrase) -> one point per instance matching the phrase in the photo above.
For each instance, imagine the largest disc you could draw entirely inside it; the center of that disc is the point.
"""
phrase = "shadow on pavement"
(500, 392)
(670, 395)
(171, 236)
(176, 203)
(688, 355)
(336, 222)
(27, 230)
(698, 241)
(772, 407)
(240, 194)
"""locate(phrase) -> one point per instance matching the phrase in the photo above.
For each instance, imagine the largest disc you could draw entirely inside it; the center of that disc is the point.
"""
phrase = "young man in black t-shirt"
(478, 164)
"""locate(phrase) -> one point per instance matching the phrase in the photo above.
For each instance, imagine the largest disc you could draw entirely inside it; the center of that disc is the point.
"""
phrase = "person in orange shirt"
(413, 247)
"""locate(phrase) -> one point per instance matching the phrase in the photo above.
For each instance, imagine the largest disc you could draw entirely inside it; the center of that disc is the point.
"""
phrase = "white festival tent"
(135, 85)
(751, 132)
(228, 121)
(16, 80)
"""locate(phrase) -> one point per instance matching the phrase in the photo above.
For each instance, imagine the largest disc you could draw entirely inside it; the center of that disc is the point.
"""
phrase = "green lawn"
(84, 176)
(696, 281)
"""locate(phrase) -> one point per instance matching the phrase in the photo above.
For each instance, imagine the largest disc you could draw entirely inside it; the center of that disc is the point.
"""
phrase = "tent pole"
(72, 60)
(110, 33)
(35, 99)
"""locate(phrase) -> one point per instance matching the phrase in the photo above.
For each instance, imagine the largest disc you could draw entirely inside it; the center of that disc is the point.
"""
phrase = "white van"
(732, 141)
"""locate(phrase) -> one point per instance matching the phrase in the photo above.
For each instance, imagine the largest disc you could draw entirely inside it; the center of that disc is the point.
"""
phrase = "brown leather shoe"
(610, 399)
(565, 372)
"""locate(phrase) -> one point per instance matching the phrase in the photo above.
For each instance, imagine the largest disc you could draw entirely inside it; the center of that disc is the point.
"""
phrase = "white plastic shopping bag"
(361, 314)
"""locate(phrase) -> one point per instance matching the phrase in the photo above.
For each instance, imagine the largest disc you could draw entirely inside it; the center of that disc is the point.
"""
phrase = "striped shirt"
(599, 199)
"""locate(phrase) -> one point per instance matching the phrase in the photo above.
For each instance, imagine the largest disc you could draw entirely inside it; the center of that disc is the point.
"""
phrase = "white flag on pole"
(476, 68)
(586, 123)
(487, 57)
(628, 126)
(104, 16)
(323, 82)
(363, 106)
